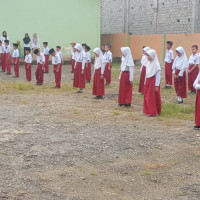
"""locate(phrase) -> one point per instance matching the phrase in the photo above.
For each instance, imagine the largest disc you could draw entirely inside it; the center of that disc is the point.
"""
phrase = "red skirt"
(98, 84)
(142, 80)
(125, 90)
(168, 73)
(180, 85)
(197, 110)
(192, 77)
(88, 72)
(107, 73)
(79, 79)
(152, 99)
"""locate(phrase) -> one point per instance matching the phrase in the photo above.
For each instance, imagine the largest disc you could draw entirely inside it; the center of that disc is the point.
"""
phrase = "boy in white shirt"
(15, 56)
(28, 61)
(46, 54)
(108, 67)
(169, 59)
(193, 69)
(88, 65)
(57, 64)
(39, 74)
(7, 57)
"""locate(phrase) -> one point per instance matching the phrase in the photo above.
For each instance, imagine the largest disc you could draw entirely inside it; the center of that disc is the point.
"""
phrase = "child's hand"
(82, 72)
(109, 68)
(131, 82)
(101, 77)
(156, 89)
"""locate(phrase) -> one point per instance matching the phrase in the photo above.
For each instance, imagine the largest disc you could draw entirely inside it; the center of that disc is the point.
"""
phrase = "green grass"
(185, 112)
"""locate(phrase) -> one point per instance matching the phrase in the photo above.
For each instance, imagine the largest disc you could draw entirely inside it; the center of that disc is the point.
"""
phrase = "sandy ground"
(59, 145)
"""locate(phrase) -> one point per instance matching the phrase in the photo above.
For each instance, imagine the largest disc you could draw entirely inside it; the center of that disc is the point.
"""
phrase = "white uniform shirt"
(3, 49)
(27, 45)
(41, 59)
(197, 83)
(72, 53)
(61, 55)
(46, 51)
(7, 49)
(28, 58)
(3, 39)
(56, 59)
(37, 46)
(194, 59)
(15, 53)
(88, 55)
(108, 56)
(169, 56)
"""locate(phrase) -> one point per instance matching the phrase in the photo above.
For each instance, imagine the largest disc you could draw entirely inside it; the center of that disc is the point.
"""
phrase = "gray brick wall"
(150, 16)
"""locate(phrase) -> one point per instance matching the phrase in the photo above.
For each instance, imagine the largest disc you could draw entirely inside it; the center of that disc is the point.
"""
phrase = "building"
(145, 17)
(57, 22)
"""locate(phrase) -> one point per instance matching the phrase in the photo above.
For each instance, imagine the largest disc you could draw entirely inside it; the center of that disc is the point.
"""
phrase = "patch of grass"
(154, 166)
(170, 110)
(116, 112)
(146, 173)
(76, 111)
(94, 173)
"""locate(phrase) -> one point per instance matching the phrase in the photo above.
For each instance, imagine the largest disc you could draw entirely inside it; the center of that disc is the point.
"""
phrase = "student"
(2, 51)
(28, 62)
(57, 63)
(197, 107)
(88, 65)
(152, 96)
(27, 43)
(99, 67)
(39, 73)
(108, 56)
(4, 37)
(79, 74)
(46, 54)
(15, 56)
(7, 57)
(193, 69)
(126, 78)
(179, 67)
(169, 59)
(73, 55)
(84, 46)
(103, 49)
(144, 61)
(58, 49)
(35, 42)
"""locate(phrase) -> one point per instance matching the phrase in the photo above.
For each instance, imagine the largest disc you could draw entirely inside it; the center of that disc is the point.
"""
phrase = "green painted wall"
(57, 21)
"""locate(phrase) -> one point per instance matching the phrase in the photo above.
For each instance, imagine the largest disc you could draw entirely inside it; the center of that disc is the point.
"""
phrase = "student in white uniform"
(28, 64)
(193, 69)
(27, 43)
(57, 63)
(126, 78)
(88, 65)
(46, 54)
(15, 56)
(7, 57)
(39, 74)
(4, 37)
(108, 68)
(73, 55)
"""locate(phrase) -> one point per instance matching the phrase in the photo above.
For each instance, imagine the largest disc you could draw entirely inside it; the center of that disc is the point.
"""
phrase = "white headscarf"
(181, 62)
(144, 59)
(99, 61)
(153, 66)
(35, 39)
(79, 55)
(127, 59)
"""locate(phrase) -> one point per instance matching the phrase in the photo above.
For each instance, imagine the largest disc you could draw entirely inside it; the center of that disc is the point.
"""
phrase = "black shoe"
(127, 105)
(80, 91)
(46, 72)
(169, 87)
(98, 97)
(197, 127)
(8, 73)
(15, 76)
(180, 102)
(72, 72)
(120, 105)
(2, 71)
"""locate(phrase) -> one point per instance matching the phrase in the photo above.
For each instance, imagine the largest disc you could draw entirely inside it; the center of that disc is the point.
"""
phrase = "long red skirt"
(79, 79)
(8, 62)
(197, 110)
(142, 80)
(73, 64)
(28, 71)
(125, 90)
(98, 84)
(180, 85)
(3, 64)
(46, 65)
(152, 99)
(107, 74)
(168, 73)
(16, 66)
(88, 72)
(192, 77)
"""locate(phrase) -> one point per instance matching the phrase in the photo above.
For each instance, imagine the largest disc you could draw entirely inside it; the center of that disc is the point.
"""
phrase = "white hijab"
(100, 60)
(144, 59)
(35, 39)
(153, 66)
(181, 62)
(79, 55)
(127, 59)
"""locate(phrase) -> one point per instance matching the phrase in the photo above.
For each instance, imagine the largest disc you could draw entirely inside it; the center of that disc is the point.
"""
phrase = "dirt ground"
(59, 145)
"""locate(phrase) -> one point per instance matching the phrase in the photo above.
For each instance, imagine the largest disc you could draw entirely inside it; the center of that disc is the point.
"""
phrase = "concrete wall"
(58, 22)
(150, 16)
